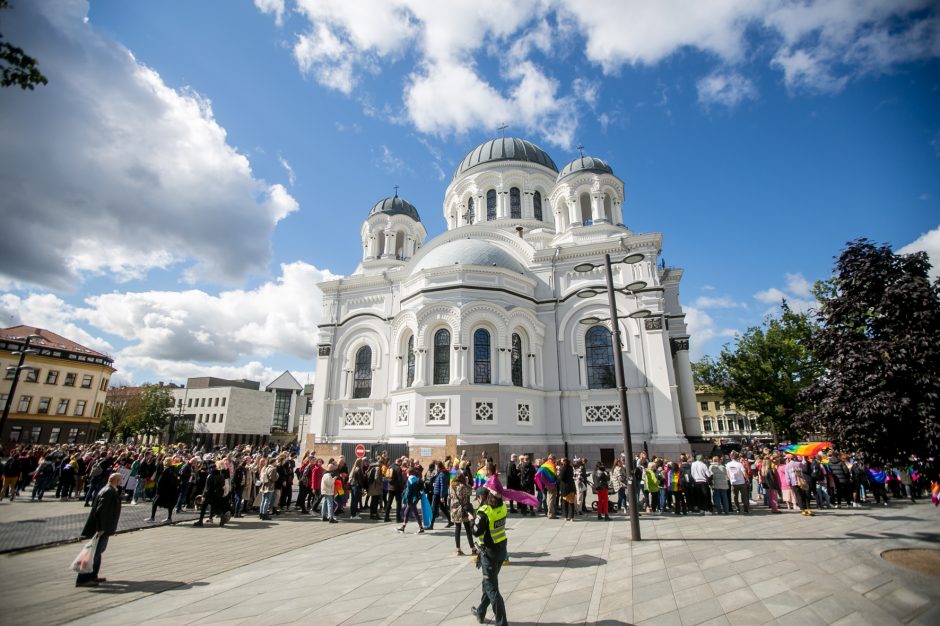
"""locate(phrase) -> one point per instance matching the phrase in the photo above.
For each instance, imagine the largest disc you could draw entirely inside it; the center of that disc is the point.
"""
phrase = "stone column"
(420, 366)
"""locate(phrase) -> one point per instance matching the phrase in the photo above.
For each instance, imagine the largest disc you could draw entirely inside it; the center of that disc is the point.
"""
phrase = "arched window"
(442, 357)
(608, 212)
(410, 374)
(584, 203)
(400, 245)
(600, 358)
(515, 204)
(482, 369)
(537, 205)
(469, 219)
(362, 383)
(516, 365)
(491, 205)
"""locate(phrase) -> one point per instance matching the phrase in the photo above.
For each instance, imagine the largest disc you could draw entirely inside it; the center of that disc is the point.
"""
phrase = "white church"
(482, 338)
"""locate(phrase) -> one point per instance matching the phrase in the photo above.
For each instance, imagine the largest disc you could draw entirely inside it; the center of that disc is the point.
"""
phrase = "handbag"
(84, 563)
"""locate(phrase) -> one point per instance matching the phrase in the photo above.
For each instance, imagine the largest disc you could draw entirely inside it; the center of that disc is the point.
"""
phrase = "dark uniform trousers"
(491, 561)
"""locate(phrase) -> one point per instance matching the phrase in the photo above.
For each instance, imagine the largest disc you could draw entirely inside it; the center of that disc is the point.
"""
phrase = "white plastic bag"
(84, 563)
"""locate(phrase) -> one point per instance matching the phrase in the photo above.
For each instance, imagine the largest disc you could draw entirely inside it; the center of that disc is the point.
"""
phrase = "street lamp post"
(618, 371)
(16, 378)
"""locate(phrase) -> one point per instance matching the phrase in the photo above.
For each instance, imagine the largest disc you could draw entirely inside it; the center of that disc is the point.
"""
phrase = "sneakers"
(420, 531)
(480, 615)
(150, 520)
(400, 529)
(460, 552)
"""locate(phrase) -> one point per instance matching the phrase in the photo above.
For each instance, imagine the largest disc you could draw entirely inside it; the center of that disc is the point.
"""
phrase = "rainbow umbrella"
(806, 449)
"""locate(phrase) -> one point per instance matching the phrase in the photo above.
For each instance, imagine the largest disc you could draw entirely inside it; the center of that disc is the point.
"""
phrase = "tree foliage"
(765, 372)
(19, 68)
(156, 402)
(879, 327)
(707, 372)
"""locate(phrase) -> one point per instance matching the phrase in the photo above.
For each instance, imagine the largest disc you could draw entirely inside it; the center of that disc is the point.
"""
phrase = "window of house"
(24, 404)
(516, 360)
(32, 375)
(410, 375)
(79, 407)
(281, 418)
(442, 357)
(104, 384)
(54, 435)
(708, 425)
(469, 211)
(35, 434)
(223, 401)
(537, 205)
(717, 405)
(98, 407)
(481, 357)
(515, 203)
(362, 383)
(584, 202)
(491, 205)
(3, 399)
(15, 433)
(189, 402)
(721, 425)
(63, 407)
(599, 354)
(43, 405)
(73, 435)
(87, 380)
(10, 372)
(608, 211)
(221, 417)
(52, 377)
(69, 380)
(217, 402)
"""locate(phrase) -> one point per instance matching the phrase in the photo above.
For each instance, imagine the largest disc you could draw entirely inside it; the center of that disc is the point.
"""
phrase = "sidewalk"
(26, 523)
(756, 569)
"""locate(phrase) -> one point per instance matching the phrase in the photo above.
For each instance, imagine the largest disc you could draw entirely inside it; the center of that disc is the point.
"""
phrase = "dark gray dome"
(505, 149)
(395, 206)
(585, 164)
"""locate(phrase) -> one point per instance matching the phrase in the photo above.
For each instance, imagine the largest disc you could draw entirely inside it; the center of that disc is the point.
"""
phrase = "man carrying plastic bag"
(102, 523)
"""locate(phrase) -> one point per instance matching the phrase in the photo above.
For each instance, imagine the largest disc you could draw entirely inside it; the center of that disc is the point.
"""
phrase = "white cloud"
(725, 88)
(721, 302)
(291, 177)
(929, 242)
(389, 162)
(185, 333)
(818, 45)
(138, 369)
(798, 285)
(274, 7)
(116, 173)
(770, 296)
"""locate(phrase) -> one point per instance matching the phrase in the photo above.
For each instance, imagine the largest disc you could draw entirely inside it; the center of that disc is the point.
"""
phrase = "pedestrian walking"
(102, 523)
(489, 525)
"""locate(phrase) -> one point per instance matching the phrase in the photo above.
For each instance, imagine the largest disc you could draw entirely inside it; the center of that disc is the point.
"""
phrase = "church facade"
(483, 338)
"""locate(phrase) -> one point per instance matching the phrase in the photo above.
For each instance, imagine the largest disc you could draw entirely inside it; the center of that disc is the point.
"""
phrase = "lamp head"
(636, 285)
(630, 259)
(587, 293)
(640, 314)
(591, 320)
(585, 267)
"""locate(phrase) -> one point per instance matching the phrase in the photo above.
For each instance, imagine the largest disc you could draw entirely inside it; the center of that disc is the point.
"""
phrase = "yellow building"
(61, 398)
(722, 420)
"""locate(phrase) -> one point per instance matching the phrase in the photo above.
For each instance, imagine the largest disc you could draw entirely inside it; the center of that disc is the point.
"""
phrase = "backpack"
(96, 470)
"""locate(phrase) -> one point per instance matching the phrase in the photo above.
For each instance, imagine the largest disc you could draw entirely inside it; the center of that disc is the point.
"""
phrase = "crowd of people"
(233, 483)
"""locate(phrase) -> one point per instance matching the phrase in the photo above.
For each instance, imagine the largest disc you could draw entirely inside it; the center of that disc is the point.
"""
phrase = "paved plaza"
(755, 569)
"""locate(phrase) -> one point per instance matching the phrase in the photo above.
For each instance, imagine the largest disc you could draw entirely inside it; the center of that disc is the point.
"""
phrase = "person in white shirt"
(701, 474)
(738, 477)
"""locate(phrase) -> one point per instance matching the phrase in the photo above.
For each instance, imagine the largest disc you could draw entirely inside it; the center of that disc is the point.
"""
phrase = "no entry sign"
(360, 451)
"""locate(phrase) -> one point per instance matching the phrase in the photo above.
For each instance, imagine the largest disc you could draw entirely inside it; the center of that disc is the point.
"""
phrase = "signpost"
(360, 451)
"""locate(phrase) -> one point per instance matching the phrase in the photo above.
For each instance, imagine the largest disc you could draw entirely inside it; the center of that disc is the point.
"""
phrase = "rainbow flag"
(806, 449)
(546, 476)
(480, 479)
(879, 476)
(935, 493)
(339, 488)
(453, 473)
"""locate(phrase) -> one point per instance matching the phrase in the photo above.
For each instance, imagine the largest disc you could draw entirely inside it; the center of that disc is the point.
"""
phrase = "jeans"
(102, 546)
(622, 498)
(720, 500)
(491, 561)
(326, 507)
(139, 488)
(822, 496)
(396, 496)
(740, 494)
(184, 493)
(267, 502)
(354, 495)
(96, 484)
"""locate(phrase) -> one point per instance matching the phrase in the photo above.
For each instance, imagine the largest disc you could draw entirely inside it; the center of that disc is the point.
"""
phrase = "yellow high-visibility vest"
(496, 516)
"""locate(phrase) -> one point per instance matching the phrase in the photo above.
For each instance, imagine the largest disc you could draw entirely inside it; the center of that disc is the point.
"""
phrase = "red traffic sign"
(360, 451)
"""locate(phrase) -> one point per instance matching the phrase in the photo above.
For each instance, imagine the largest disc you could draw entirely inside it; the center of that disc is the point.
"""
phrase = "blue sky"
(192, 170)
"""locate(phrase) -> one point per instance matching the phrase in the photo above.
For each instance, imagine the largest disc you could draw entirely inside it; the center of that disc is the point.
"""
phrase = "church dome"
(469, 252)
(395, 206)
(585, 164)
(505, 149)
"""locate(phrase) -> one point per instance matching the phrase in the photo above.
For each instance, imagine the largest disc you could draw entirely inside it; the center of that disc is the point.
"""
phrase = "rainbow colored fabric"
(546, 476)
(935, 493)
(480, 479)
(806, 449)
(879, 476)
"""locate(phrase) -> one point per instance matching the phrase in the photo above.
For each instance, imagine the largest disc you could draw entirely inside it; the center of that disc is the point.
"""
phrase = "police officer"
(489, 525)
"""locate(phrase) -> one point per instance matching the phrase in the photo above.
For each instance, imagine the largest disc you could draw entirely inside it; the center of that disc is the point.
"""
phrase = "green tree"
(879, 327)
(18, 67)
(119, 414)
(154, 409)
(765, 372)
(707, 372)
